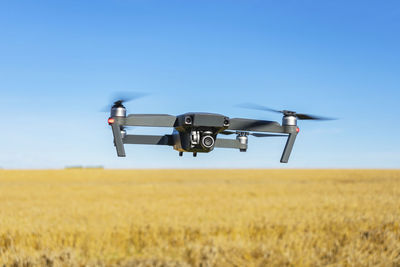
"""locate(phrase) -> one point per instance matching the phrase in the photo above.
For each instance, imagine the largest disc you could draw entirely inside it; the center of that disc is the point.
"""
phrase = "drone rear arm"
(138, 139)
(166, 140)
(227, 143)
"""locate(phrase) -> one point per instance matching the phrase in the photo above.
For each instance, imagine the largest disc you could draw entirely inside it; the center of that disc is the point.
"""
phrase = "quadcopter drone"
(197, 132)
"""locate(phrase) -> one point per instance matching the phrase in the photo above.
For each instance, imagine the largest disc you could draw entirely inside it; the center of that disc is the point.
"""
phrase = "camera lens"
(207, 141)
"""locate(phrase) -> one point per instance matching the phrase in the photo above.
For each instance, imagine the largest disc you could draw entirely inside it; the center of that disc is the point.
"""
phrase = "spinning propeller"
(120, 98)
(300, 116)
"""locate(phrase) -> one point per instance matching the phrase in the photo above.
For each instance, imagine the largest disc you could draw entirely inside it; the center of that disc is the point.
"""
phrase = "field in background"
(200, 218)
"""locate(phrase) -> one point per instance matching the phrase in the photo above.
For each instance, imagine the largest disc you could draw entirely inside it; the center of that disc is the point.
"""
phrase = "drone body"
(199, 132)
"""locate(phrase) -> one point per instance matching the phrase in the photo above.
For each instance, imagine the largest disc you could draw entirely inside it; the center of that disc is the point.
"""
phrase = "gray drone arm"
(288, 147)
(166, 140)
(116, 129)
(119, 141)
(239, 124)
(150, 120)
(227, 143)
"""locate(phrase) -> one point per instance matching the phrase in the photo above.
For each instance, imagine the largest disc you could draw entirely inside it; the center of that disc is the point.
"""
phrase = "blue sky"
(60, 61)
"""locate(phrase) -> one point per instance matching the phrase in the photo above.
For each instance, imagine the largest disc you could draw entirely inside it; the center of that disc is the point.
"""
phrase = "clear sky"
(60, 61)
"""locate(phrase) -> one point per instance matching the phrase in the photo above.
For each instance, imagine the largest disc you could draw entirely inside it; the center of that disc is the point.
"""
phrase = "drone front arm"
(239, 124)
(150, 120)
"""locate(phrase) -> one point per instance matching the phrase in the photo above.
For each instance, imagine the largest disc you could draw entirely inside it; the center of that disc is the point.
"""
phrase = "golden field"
(200, 218)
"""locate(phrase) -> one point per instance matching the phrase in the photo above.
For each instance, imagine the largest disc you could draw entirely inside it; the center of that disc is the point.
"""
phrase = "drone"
(198, 132)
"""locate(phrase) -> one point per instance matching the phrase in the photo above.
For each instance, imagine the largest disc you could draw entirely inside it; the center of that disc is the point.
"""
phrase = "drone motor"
(118, 111)
(123, 133)
(289, 120)
(243, 141)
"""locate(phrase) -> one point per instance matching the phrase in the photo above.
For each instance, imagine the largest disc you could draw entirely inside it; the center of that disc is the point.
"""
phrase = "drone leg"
(180, 154)
(118, 140)
(288, 147)
(194, 154)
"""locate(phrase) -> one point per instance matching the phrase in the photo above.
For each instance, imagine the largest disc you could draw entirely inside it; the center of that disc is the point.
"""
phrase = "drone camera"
(207, 141)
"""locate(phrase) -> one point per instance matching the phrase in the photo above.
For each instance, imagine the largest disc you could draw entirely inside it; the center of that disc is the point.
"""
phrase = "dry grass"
(200, 218)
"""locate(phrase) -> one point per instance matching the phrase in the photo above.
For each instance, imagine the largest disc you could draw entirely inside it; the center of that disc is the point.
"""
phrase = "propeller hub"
(288, 113)
(118, 104)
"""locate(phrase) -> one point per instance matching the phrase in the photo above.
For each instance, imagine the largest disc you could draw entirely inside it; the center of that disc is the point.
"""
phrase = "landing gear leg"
(194, 154)
(180, 154)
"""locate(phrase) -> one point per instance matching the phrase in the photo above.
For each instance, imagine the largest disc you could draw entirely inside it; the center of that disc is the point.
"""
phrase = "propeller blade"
(127, 96)
(300, 116)
(257, 107)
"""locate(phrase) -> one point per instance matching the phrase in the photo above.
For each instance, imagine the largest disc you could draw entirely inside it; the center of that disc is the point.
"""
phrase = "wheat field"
(200, 218)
